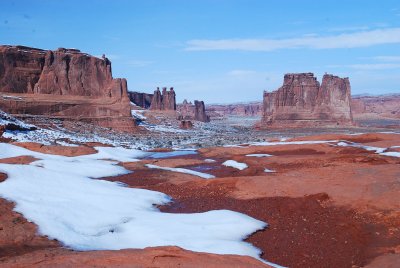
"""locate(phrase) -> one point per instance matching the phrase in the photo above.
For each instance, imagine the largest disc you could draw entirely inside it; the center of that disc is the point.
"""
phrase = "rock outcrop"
(165, 101)
(196, 111)
(65, 84)
(303, 102)
(141, 99)
(200, 112)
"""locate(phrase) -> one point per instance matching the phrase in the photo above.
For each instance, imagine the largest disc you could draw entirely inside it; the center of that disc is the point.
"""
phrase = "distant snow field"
(61, 195)
(234, 164)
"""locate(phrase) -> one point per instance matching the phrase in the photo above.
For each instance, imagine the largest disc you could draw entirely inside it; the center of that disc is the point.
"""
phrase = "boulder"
(302, 102)
(186, 124)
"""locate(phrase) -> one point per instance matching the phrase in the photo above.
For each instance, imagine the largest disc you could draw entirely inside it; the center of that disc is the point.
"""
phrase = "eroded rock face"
(65, 83)
(303, 102)
(196, 111)
(141, 99)
(164, 101)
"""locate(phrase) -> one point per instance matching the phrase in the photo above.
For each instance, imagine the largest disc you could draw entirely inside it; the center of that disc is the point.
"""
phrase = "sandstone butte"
(196, 111)
(65, 84)
(303, 102)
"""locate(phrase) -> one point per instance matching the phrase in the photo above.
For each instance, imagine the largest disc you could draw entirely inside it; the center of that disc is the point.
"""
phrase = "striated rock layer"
(65, 84)
(303, 102)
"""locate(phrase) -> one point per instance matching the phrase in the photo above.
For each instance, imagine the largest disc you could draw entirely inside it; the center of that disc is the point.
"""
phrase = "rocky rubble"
(303, 102)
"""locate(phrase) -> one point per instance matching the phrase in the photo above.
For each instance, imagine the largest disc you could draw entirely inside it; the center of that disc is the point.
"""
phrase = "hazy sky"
(222, 50)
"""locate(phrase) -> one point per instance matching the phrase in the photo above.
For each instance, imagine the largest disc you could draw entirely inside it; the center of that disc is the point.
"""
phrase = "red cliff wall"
(63, 84)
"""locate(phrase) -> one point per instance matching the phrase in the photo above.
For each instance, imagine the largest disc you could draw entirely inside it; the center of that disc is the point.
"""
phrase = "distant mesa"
(303, 102)
(64, 84)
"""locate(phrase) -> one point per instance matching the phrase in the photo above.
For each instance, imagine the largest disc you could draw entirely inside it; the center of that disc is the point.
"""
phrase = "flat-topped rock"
(303, 102)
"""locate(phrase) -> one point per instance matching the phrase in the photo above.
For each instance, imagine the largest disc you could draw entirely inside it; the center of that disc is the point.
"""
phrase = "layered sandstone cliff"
(65, 83)
(196, 111)
(303, 102)
(163, 101)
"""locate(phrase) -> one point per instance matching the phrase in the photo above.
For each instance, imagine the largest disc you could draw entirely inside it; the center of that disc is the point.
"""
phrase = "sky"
(219, 51)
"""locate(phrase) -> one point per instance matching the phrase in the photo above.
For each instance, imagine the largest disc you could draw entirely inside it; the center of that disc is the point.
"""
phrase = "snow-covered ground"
(61, 195)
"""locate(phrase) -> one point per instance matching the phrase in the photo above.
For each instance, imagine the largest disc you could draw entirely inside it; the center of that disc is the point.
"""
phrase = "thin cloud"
(348, 40)
(387, 58)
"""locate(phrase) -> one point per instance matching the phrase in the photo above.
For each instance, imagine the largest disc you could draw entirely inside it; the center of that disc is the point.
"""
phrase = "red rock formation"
(303, 102)
(188, 111)
(200, 112)
(83, 85)
(141, 99)
(185, 124)
(163, 101)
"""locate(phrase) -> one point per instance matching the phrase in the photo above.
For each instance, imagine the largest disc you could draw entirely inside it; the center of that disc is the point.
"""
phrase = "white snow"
(268, 170)
(378, 150)
(259, 155)
(234, 164)
(138, 114)
(59, 195)
(183, 170)
(208, 160)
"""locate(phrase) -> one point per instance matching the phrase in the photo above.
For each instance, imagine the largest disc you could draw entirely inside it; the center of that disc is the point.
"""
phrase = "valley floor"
(330, 200)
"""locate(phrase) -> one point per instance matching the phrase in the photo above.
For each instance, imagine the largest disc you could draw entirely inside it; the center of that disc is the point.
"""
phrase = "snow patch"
(259, 155)
(183, 170)
(234, 164)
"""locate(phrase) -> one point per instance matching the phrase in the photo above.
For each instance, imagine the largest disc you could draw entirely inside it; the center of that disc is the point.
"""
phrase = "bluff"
(64, 84)
(303, 102)
(165, 101)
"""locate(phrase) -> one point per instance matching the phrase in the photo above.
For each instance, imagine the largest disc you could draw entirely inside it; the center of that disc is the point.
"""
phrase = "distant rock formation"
(65, 83)
(188, 111)
(251, 109)
(385, 106)
(186, 124)
(141, 99)
(165, 101)
(303, 102)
